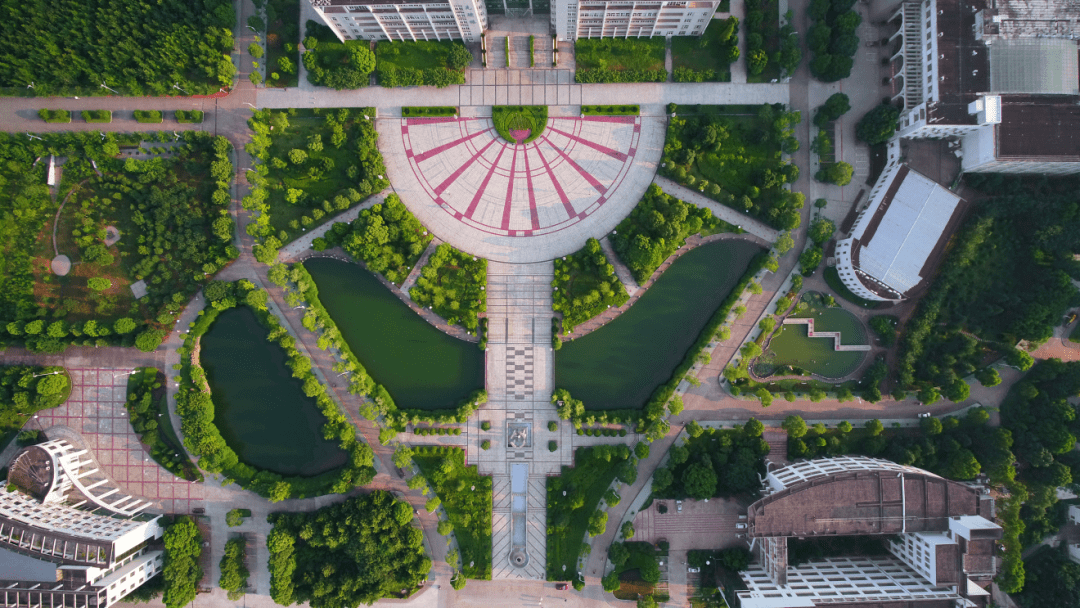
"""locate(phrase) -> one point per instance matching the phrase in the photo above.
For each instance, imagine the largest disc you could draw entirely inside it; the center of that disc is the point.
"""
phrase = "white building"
(941, 546)
(898, 236)
(404, 20)
(55, 554)
(573, 19)
(467, 19)
(1003, 79)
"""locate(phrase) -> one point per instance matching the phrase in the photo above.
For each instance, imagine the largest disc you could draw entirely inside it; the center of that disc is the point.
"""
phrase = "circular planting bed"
(791, 346)
(519, 124)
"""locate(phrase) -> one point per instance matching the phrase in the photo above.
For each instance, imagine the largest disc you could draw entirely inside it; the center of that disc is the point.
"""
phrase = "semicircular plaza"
(521, 203)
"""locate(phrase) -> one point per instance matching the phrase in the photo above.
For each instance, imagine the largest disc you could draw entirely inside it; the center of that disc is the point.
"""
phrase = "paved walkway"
(521, 203)
(304, 241)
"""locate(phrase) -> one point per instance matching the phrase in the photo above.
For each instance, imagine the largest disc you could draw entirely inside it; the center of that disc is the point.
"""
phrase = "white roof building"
(898, 236)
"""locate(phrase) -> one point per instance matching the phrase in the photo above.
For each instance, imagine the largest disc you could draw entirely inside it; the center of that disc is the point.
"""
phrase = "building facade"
(939, 544)
(53, 553)
(412, 20)
(573, 19)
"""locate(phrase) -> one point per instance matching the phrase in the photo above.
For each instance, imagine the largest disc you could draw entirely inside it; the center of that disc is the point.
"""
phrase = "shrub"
(148, 116)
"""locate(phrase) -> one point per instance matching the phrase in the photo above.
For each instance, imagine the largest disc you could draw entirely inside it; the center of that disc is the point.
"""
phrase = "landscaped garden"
(149, 416)
(619, 60)
(791, 347)
(71, 47)
(734, 156)
(332, 63)
(432, 63)
(585, 286)
(348, 554)
(314, 164)
(832, 38)
(381, 336)
(519, 124)
(157, 225)
(452, 284)
(636, 572)
(387, 237)
(466, 496)
(242, 409)
(707, 58)
(571, 502)
(282, 38)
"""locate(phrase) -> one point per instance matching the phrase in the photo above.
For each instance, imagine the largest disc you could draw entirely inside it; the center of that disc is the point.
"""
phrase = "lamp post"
(105, 86)
(48, 373)
(176, 85)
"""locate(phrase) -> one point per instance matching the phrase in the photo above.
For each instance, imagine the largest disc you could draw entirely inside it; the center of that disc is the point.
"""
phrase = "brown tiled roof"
(961, 60)
(1039, 129)
(864, 502)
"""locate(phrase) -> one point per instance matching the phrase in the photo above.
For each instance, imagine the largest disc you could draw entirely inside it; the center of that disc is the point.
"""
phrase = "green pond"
(619, 365)
(259, 407)
(792, 346)
(420, 366)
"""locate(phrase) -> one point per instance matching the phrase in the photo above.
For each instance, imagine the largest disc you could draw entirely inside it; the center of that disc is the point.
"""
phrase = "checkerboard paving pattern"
(519, 373)
(95, 413)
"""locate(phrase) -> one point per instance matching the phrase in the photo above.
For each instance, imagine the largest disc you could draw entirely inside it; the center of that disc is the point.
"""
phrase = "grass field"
(586, 482)
(620, 54)
(687, 52)
(417, 55)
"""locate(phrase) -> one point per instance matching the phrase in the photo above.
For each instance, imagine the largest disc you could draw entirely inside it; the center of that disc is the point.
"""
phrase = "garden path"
(303, 242)
(728, 214)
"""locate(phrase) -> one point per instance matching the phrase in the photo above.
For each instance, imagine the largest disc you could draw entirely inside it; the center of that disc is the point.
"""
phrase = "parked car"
(740, 526)
(198, 510)
(678, 506)
(742, 518)
(693, 570)
(561, 587)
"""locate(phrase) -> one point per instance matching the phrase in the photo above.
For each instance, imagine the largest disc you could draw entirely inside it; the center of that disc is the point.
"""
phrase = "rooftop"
(1034, 129)
(1031, 18)
(962, 63)
(1044, 66)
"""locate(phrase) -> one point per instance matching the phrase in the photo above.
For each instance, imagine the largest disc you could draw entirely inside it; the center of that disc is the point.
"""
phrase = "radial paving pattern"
(484, 194)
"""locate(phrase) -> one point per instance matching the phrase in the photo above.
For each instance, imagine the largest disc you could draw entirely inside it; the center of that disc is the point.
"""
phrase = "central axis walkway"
(519, 385)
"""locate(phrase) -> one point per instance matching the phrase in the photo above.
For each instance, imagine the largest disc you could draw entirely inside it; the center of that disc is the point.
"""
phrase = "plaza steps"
(496, 52)
(543, 52)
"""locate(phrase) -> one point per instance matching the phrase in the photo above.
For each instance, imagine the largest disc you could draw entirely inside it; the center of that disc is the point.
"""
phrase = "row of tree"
(714, 462)
(585, 285)
(387, 237)
(832, 38)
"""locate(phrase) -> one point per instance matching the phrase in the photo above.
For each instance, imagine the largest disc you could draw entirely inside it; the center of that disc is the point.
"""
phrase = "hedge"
(55, 115)
(96, 115)
(148, 116)
(409, 111)
(633, 110)
(604, 75)
(189, 116)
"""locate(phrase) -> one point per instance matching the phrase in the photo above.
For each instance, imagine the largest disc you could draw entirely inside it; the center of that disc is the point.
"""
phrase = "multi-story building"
(573, 19)
(404, 19)
(53, 553)
(1002, 77)
(939, 541)
(467, 19)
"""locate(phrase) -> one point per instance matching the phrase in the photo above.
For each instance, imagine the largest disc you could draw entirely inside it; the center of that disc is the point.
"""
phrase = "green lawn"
(468, 510)
(282, 38)
(416, 55)
(594, 470)
(688, 52)
(620, 54)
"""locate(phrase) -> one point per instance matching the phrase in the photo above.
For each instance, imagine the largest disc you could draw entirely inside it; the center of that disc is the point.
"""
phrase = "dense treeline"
(585, 285)
(1007, 278)
(736, 159)
(183, 546)
(387, 237)
(657, 226)
(1052, 579)
(145, 405)
(175, 233)
(336, 65)
(360, 383)
(714, 462)
(345, 555)
(832, 38)
(234, 574)
(195, 406)
(66, 47)
(26, 389)
(313, 164)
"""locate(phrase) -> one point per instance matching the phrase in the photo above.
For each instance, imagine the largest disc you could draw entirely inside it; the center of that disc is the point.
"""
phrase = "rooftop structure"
(941, 547)
(898, 237)
(54, 553)
(573, 19)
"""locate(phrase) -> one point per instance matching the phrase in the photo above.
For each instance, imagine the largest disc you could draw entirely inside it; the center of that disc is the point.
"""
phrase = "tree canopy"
(878, 125)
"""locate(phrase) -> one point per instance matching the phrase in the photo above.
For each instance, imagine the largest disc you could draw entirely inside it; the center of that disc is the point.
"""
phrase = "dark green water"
(622, 363)
(259, 407)
(420, 366)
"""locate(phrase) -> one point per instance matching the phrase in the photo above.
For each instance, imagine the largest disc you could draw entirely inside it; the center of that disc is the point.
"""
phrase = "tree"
(753, 428)
(445, 527)
(234, 518)
(458, 58)
(699, 480)
(957, 391)
(878, 125)
(756, 61)
(820, 231)
(98, 283)
(694, 429)
(844, 427)
(297, 156)
(875, 427)
(795, 426)
(610, 581)
(597, 523)
(931, 426)
(181, 571)
(784, 243)
(834, 107)
(988, 377)
(838, 173)
(641, 450)
(149, 340)
(627, 530)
